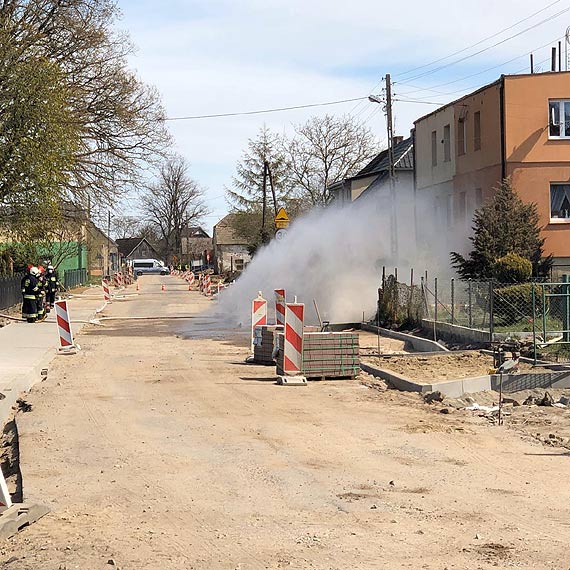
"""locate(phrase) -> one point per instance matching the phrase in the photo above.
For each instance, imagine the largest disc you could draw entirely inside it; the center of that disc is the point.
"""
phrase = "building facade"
(513, 128)
(196, 247)
(231, 254)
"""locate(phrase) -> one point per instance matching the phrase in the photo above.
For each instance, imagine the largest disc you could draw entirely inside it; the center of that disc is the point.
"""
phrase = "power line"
(464, 49)
(441, 67)
(419, 90)
(480, 41)
(466, 89)
(260, 112)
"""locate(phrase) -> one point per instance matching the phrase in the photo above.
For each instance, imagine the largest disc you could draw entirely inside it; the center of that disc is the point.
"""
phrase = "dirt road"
(158, 449)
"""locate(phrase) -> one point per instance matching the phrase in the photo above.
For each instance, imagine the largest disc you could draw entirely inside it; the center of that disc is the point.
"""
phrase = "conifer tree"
(504, 225)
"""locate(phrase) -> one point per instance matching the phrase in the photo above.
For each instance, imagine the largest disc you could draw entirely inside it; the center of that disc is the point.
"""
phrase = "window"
(560, 202)
(461, 137)
(434, 148)
(238, 264)
(477, 130)
(446, 143)
(478, 197)
(559, 119)
(437, 214)
(460, 210)
(449, 210)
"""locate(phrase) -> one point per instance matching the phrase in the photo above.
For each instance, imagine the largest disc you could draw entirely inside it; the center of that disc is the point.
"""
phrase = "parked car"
(149, 267)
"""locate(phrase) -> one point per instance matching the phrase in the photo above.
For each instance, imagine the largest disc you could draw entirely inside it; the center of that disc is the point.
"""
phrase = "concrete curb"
(419, 344)
(462, 386)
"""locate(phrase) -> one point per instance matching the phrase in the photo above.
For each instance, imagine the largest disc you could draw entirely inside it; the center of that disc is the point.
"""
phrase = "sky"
(226, 56)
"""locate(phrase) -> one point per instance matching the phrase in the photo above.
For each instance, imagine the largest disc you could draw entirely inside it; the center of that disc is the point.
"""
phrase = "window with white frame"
(559, 119)
(560, 202)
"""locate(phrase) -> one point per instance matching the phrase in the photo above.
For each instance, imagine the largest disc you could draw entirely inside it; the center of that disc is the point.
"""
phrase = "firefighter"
(30, 290)
(52, 286)
(41, 294)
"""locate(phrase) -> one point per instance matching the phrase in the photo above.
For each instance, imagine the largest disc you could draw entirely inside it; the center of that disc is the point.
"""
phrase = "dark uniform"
(41, 296)
(52, 286)
(29, 293)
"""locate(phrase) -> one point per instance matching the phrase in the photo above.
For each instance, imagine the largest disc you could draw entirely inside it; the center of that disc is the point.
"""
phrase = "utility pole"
(264, 236)
(392, 169)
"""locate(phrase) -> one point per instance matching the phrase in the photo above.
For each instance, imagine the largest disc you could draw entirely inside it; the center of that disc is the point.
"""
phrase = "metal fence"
(74, 278)
(10, 291)
(482, 305)
(551, 330)
(486, 306)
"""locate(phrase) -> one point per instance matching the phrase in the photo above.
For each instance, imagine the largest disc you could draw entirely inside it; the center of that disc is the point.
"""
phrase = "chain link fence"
(551, 333)
(486, 306)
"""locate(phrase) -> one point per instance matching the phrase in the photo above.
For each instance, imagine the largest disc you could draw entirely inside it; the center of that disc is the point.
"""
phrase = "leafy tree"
(39, 138)
(119, 120)
(326, 150)
(171, 203)
(504, 225)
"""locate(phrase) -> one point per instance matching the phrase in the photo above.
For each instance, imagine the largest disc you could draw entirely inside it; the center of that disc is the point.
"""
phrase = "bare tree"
(171, 203)
(326, 150)
(125, 227)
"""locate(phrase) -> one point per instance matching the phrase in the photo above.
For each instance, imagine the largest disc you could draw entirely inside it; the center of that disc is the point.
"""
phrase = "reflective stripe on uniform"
(33, 297)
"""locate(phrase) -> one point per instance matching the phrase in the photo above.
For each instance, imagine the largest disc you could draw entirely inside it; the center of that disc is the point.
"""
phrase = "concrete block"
(18, 516)
(291, 381)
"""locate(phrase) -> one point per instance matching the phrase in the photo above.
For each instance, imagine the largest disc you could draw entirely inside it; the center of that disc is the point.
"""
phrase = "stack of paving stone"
(326, 355)
(264, 342)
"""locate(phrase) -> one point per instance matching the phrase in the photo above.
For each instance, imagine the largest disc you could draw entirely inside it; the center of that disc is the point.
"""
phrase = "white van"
(149, 267)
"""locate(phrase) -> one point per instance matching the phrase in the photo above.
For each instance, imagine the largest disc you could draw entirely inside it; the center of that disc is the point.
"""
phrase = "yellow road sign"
(281, 219)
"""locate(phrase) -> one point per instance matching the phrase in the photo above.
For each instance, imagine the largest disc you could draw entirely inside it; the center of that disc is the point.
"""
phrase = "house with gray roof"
(231, 253)
(136, 248)
(373, 183)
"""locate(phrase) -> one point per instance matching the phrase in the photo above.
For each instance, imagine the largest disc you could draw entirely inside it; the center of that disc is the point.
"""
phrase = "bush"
(512, 268)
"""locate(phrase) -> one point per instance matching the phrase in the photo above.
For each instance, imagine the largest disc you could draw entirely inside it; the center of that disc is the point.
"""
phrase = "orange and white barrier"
(64, 325)
(280, 306)
(190, 281)
(106, 291)
(207, 286)
(293, 349)
(258, 315)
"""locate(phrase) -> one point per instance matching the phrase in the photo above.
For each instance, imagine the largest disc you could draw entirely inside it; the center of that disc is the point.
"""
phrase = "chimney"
(397, 140)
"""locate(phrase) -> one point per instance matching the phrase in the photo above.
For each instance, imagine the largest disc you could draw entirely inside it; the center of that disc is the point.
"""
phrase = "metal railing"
(10, 291)
(74, 278)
